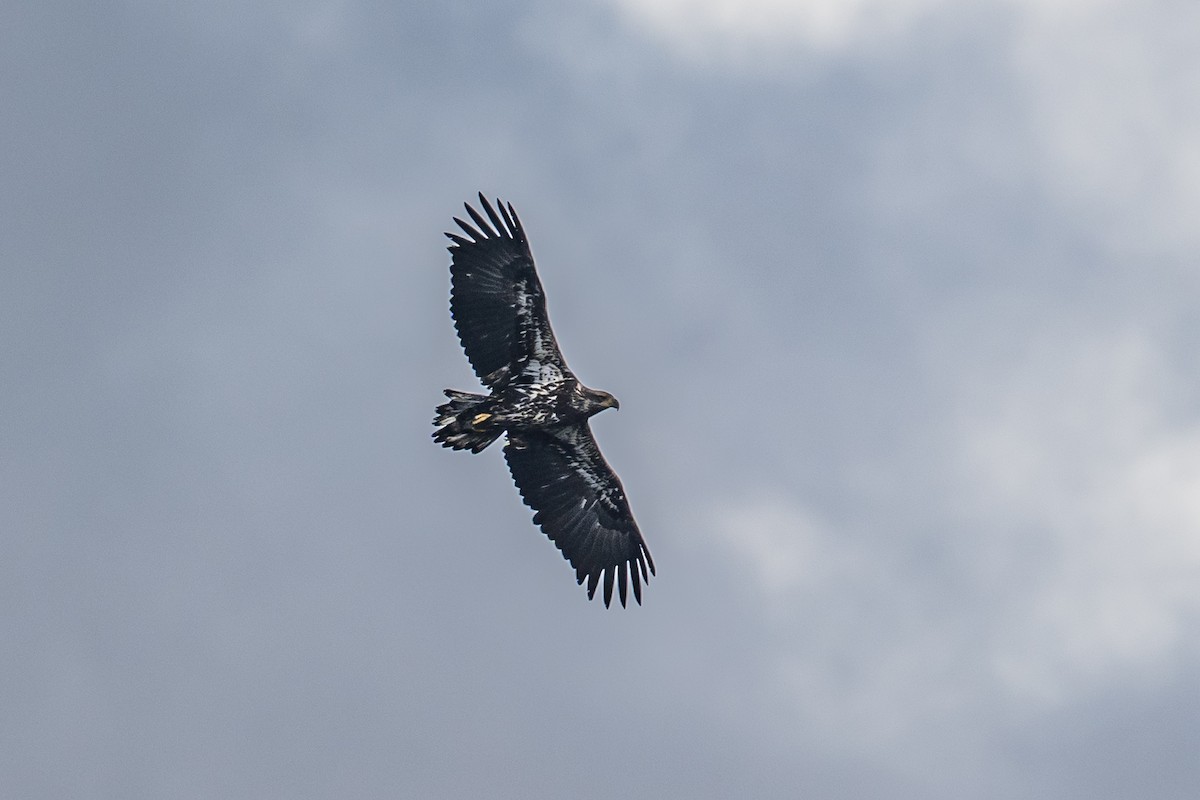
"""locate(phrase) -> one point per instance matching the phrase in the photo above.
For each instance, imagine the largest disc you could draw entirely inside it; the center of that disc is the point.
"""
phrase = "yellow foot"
(480, 419)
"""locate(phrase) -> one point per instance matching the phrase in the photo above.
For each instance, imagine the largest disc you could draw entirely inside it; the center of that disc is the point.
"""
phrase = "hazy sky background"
(901, 300)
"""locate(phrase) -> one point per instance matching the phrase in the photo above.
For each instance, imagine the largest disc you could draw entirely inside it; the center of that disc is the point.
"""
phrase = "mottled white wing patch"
(542, 362)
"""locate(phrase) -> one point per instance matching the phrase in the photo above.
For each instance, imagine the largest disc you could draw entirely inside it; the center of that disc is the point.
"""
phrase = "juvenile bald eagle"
(537, 403)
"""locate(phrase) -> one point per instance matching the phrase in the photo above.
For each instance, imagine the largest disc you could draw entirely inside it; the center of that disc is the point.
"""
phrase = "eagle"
(536, 403)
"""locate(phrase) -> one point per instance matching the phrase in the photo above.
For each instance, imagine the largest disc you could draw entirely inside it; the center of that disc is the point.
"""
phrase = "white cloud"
(861, 648)
(1074, 508)
(1112, 92)
(784, 545)
(1109, 86)
(694, 27)
(732, 29)
(1075, 444)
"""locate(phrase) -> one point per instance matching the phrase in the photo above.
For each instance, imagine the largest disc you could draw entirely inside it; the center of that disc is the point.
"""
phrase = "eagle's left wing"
(580, 505)
(497, 302)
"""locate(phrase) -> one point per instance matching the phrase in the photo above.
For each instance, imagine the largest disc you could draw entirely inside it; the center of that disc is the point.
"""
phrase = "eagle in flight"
(537, 404)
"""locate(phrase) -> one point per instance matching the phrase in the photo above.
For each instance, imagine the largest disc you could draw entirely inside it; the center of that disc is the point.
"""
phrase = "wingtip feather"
(508, 220)
(488, 233)
(467, 229)
(518, 228)
(497, 223)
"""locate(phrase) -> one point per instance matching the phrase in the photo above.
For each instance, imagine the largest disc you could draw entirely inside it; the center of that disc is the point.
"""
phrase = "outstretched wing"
(580, 505)
(497, 302)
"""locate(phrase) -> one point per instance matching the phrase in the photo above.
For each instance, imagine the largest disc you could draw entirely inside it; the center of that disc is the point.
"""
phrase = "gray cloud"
(906, 414)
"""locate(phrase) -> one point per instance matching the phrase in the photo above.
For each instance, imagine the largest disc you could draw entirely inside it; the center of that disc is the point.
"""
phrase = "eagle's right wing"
(497, 302)
(580, 505)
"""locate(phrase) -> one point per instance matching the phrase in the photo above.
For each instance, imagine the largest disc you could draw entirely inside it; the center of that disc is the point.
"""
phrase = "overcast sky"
(901, 299)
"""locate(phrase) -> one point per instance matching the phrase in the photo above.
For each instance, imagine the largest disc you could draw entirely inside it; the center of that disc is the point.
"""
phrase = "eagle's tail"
(463, 424)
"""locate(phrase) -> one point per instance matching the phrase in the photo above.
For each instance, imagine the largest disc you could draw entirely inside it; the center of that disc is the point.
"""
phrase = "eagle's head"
(598, 400)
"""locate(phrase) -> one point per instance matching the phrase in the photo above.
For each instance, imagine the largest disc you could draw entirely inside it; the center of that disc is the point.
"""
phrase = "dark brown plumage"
(537, 403)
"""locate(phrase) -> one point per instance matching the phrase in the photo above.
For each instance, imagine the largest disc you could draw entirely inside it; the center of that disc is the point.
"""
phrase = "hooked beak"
(610, 402)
